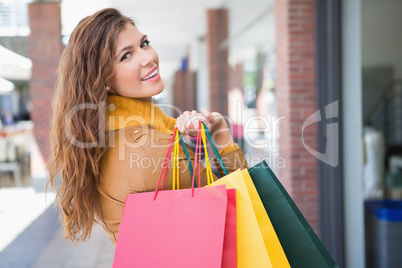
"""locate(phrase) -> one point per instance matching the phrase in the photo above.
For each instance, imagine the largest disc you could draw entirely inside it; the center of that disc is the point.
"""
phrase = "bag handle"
(215, 149)
(165, 164)
(202, 131)
(197, 156)
(174, 143)
(210, 177)
(190, 166)
(176, 163)
(202, 140)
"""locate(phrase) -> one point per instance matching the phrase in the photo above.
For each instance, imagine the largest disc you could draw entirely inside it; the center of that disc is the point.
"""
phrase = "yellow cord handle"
(176, 171)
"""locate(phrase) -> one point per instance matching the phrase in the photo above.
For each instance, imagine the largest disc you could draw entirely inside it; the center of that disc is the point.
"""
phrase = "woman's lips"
(153, 79)
(150, 74)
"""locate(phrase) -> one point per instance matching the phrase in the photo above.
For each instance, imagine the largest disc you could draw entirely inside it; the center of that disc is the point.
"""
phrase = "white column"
(200, 65)
(352, 134)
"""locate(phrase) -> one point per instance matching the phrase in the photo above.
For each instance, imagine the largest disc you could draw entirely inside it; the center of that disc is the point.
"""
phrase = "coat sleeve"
(233, 159)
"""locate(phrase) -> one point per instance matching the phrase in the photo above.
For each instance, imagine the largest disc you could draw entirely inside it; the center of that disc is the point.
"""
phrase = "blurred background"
(313, 87)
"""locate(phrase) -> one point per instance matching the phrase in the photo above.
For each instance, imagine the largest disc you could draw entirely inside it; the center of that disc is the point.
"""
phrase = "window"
(14, 18)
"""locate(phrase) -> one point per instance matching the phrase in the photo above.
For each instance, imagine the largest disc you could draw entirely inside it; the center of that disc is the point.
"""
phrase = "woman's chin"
(162, 87)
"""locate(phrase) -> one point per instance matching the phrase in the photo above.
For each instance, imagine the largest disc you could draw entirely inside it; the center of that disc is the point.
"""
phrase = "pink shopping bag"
(229, 257)
(174, 230)
(177, 228)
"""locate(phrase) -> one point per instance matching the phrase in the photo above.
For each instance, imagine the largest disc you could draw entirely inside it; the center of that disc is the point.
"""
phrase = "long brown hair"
(78, 131)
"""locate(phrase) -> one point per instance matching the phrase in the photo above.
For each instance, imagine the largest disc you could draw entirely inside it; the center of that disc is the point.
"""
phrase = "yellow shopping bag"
(272, 244)
(257, 243)
(251, 250)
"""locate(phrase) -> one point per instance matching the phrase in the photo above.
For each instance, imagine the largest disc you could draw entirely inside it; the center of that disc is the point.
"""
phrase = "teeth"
(151, 75)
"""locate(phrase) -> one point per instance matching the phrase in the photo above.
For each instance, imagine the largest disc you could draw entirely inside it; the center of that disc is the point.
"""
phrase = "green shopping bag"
(301, 245)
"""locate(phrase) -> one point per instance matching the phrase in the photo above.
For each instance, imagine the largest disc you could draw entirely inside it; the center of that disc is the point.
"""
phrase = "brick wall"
(217, 32)
(45, 48)
(178, 89)
(296, 99)
(184, 96)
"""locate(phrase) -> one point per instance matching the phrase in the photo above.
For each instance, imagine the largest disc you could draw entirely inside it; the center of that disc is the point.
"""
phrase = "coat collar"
(125, 112)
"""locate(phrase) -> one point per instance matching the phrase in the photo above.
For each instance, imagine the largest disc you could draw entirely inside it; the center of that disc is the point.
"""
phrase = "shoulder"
(134, 143)
(137, 137)
(130, 149)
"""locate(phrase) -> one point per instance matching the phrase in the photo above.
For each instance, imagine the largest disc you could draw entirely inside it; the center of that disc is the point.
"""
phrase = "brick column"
(178, 89)
(45, 48)
(184, 89)
(217, 20)
(296, 99)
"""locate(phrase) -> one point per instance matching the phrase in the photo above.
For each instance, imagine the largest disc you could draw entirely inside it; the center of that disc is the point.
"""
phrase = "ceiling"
(174, 25)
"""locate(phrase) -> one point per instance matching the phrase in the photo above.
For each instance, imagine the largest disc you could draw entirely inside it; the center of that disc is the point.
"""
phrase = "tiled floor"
(59, 253)
(30, 232)
(19, 207)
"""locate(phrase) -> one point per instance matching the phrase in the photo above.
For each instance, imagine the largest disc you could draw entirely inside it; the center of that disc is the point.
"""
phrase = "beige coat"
(133, 164)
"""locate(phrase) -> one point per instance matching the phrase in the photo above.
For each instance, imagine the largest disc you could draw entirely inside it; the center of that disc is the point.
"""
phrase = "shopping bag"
(301, 245)
(173, 228)
(271, 241)
(251, 251)
(229, 255)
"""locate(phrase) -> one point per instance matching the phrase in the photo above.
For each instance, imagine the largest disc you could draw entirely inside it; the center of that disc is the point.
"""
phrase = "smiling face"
(135, 66)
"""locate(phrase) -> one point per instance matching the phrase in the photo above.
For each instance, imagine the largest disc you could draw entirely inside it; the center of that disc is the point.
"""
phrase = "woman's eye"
(145, 43)
(126, 56)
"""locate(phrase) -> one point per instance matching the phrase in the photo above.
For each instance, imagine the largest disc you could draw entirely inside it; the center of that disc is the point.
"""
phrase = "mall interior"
(313, 87)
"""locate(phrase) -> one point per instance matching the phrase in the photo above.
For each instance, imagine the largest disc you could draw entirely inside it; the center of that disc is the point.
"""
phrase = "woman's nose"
(148, 56)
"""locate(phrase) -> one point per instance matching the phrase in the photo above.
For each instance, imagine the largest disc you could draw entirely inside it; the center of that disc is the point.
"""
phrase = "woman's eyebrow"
(124, 48)
(143, 38)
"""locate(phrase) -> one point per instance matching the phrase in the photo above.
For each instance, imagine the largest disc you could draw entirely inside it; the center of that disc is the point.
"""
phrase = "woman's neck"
(147, 99)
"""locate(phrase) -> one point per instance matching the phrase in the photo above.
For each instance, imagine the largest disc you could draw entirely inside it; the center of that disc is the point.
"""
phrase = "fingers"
(186, 117)
(188, 122)
(193, 120)
(207, 114)
(214, 119)
(179, 123)
(210, 118)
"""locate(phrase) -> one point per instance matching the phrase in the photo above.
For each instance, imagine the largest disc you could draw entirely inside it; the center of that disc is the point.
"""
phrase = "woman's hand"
(188, 123)
(214, 121)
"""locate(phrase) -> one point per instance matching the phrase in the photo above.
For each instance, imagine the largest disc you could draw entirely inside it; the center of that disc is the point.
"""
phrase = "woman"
(108, 139)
